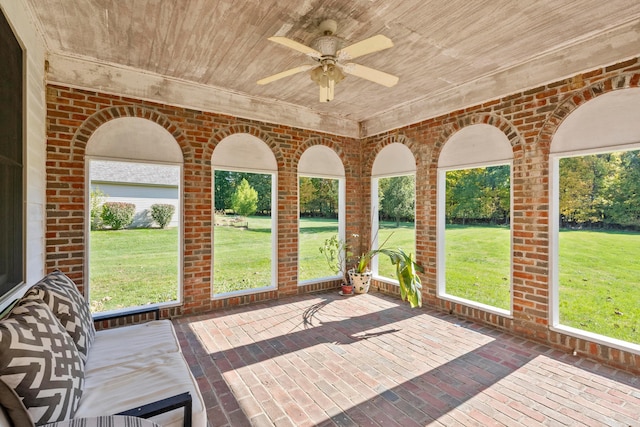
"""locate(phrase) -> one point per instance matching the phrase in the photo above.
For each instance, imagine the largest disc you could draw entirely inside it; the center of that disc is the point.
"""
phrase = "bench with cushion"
(54, 365)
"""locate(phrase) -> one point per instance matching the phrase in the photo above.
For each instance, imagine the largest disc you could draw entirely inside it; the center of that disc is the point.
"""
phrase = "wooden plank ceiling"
(208, 54)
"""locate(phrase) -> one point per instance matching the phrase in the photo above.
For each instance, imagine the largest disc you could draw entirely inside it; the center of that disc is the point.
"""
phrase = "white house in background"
(142, 184)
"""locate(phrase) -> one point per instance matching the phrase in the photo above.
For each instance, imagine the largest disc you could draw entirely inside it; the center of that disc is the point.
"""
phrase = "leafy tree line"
(319, 197)
(601, 190)
(227, 183)
(596, 191)
(397, 198)
(479, 195)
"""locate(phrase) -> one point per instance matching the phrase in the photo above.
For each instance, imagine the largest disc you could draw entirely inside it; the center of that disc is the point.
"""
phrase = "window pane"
(11, 162)
(599, 244)
(242, 248)
(318, 222)
(396, 214)
(477, 236)
(133, 261)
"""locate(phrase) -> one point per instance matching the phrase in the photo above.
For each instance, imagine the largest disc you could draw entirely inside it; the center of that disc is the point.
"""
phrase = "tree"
(262, 184)
(462, 193)
(397, 197)
(582, 185)
(224, 187)
(623, 196)
(307, 194)
(245, 199)
(481, 194)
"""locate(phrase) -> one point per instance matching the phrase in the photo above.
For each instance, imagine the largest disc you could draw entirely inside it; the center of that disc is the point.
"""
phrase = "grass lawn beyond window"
(130, 268)
(599, 270)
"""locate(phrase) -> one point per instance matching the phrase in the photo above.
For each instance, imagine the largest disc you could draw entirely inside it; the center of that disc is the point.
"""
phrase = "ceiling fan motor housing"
(327, 45)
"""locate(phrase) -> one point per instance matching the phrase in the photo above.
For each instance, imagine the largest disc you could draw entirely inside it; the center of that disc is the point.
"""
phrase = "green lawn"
(477, 264)
(242, 257)
(599, 276)
(133, 267)
(313, 232)
(600, 282)
(401, 236)
(599, 271)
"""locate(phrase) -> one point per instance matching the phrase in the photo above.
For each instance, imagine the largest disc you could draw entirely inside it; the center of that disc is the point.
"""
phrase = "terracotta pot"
(347, 289)
(360, 281)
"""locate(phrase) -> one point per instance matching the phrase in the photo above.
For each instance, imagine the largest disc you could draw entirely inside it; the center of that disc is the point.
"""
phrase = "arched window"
(595, 231)
(244, 233)
(134, 171)
(393, 195)
(474, 210)
(321, 209)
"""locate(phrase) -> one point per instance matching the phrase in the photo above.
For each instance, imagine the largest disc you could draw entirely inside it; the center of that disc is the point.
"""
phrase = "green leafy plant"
(96, 199)
(118, 215)
(162, 213)
(336, 252)
(408, 279)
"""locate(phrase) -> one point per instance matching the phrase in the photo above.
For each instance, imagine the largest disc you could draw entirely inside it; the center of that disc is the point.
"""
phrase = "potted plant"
(336, 251)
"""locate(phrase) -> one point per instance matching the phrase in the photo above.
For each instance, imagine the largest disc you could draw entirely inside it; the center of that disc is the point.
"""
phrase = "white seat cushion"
(135, 365)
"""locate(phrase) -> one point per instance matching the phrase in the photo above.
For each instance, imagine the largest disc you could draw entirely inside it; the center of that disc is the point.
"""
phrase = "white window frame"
(135, 140)
(243, 152)
(375, 224)
(440, 239)
(87, 273)
(604, 124)
(395, 159)
(341, 223)
(475, 146)
(274, 233)
(554, 250)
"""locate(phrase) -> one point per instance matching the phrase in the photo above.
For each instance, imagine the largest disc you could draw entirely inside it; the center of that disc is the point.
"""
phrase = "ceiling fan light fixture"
(327, 76)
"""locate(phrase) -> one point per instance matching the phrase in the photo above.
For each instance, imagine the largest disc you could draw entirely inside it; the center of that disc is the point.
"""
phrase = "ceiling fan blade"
(370, 74)
(364, 47)
(283, 74)
(292, 44)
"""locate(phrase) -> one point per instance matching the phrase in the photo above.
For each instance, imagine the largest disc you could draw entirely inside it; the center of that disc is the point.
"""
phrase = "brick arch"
(319, 140)
(246, 129)
(370, 155)
(571, 103)
(92, 123)
(504, 125)
(64, 208)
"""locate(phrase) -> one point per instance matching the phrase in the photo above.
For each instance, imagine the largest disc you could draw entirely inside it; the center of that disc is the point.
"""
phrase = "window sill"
(597, 338)
(478, 305)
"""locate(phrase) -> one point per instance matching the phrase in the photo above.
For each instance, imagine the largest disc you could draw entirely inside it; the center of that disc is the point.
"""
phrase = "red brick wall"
(72, 117)
(529, 119)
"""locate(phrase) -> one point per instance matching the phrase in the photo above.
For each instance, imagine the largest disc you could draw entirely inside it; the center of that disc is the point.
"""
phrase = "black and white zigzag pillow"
(40, 361)
(69, 306)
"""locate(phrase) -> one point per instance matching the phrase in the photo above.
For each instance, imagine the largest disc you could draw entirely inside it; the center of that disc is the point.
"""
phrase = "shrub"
(118, 215)
(162, 213)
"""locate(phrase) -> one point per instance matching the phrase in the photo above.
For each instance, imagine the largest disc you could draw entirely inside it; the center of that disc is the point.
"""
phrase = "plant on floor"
(338, 253)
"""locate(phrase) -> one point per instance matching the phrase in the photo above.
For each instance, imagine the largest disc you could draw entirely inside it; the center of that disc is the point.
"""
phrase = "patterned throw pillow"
(39, 360)
(69, 306)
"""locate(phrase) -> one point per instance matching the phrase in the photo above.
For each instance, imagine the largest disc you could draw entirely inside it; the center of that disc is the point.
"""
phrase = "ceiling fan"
(329, 57)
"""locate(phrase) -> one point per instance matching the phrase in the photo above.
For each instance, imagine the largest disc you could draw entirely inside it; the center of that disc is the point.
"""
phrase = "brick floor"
(369, 360)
